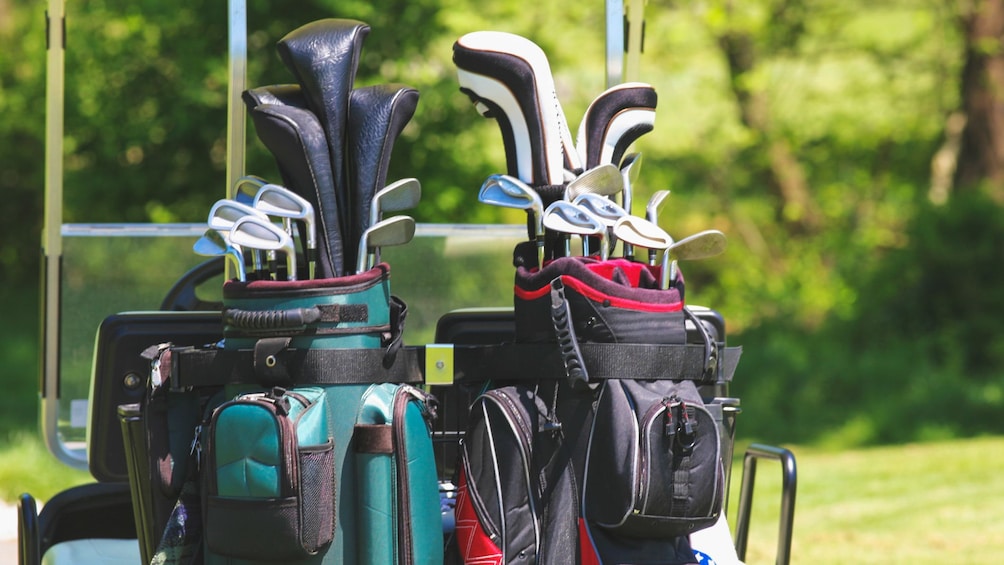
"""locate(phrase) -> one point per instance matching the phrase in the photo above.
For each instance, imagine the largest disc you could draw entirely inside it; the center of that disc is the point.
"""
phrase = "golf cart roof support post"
(615, 42)
(52, 242)
(237, 40)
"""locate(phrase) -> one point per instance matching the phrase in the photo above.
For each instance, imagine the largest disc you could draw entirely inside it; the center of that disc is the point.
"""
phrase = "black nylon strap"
(269, 366)
(536, 361)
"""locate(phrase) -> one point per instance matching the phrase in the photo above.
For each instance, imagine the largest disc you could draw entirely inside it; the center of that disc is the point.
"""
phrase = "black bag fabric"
(653, 465)
(589, 467)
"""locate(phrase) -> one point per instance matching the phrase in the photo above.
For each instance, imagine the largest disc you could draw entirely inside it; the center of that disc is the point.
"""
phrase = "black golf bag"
(592, 443)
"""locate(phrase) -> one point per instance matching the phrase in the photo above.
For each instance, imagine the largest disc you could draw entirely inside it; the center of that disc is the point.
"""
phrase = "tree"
(981, 152)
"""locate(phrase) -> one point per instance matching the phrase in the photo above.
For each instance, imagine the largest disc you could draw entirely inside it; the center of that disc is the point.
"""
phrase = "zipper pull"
(670, 425)
(196, 448)
(687, 438)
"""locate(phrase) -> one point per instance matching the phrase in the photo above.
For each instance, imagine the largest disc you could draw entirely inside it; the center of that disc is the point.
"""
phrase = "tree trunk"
(981, 154)
(784, 173)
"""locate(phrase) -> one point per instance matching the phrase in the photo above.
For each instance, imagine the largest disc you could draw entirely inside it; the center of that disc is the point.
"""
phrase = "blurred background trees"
(852, 151)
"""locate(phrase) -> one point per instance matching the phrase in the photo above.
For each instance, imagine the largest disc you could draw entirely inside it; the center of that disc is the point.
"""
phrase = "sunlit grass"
(26, 466)
(915, 503)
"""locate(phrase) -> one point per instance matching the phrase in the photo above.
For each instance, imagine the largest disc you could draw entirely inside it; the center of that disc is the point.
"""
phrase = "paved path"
(8, 533)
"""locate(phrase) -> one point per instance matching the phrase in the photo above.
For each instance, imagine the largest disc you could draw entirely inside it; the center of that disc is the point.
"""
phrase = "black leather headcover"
(298, 142)
(323, 56)
(377, 115)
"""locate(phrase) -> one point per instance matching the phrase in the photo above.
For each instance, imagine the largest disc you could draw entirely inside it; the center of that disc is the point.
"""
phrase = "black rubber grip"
(265, 320)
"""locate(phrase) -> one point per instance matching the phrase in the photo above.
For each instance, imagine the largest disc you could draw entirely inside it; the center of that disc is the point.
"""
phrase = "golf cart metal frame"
(624, 27)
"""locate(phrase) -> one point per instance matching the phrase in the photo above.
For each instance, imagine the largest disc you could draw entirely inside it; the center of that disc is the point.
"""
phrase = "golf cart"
(89, 383)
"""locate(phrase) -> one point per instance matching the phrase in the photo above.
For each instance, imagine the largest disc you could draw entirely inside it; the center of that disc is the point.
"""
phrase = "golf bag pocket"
(269, 476)
(653, 466)
(398, 507)
(516, 500)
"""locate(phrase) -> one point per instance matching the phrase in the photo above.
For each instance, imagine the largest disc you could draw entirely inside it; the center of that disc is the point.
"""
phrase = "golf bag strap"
(537, 361)
(273, 363)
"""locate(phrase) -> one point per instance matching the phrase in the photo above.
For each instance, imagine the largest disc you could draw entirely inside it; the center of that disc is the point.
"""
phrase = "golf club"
(604, 180)
(225, 213)
(613, 120)
(508, 78)
(213, 244)
(255, 233)
(299, 144)
(403, 194)
(642, 233)
(323, 55)
(701, 245)
(246, 187)
(392, 231)
(280, 202)
(377, 116)
(630, 168)
(510, 192)
(603, 208)
(567, 218)
(652, 211)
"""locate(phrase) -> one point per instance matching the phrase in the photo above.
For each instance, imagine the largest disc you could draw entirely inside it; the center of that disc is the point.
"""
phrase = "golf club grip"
(267, 320)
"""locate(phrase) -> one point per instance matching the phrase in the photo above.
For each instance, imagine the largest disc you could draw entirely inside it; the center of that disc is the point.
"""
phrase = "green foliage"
(919, 356)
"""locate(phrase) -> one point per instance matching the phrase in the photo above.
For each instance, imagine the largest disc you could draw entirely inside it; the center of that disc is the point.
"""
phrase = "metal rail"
(788, 486)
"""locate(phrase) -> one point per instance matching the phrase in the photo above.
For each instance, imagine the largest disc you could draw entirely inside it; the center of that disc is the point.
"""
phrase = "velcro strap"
(537, 361)
(272, 364)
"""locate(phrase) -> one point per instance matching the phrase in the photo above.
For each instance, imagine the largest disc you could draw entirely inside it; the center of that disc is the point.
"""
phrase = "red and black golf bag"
(591, 442)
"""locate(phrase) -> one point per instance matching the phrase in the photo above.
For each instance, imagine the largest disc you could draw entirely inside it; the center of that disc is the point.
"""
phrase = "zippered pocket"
(653, 464)
(269, 476)
(498, 488)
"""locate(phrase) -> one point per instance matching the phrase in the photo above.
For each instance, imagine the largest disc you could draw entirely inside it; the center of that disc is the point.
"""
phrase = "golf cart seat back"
(94, 522)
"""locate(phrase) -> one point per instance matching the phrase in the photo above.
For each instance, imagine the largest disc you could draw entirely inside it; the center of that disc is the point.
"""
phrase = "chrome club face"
(701, 245)
(214, 244)
(225, 213)
(510, 192)
(604, 180)
(280, 202)
(565, 217)
(392, 231)
(254, 233)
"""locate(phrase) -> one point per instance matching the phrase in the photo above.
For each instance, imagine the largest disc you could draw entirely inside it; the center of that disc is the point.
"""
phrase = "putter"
(213, 244)
(256, 233)
(392, 231)
(567, 218)
(630, 167)
(280, 202)
(510, 192)
(652, 211)
(397, 196)
(701, 245)
(225, 213)
(604, 180)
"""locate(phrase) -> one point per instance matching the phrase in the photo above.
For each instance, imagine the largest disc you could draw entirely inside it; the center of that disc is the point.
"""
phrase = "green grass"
(915, 503)
(26, 466)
